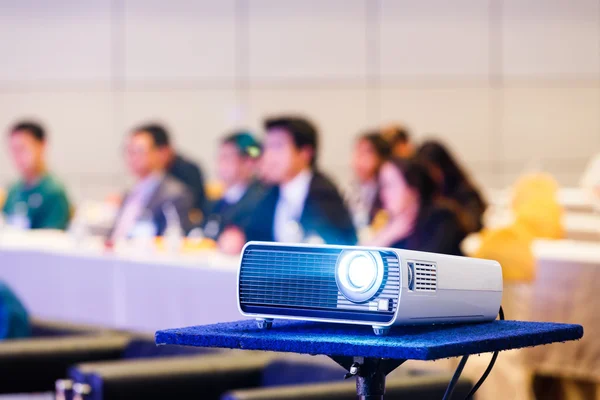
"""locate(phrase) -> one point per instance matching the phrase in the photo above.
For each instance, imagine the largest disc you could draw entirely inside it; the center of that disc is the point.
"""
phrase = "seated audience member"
(301, 198)
(416, 221)
(14, 318)
(154, 191)
(178, 166)
(370, 152)
(453, 184)
(236, 169)
(399, 140)
(590, 181)
(37, 200)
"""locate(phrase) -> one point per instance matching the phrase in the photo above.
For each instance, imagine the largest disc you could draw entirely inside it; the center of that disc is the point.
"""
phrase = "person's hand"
(232, 240)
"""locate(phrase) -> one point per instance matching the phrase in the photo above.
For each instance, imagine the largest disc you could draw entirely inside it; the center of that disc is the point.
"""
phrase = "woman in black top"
(454, 184)
(417, 221)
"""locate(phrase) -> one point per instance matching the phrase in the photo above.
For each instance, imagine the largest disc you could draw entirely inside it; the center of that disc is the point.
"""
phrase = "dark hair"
(302, 131)
(435, 153)
(246, 144)
(417, 177)
(396, 134)
(159, 134)
(32, 128)
(381, 146)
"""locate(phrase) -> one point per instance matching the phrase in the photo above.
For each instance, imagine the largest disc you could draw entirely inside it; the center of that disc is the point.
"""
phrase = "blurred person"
(236, 169)
(178, 166)
(590, 181)
(399, 139)
(14, 318)
(300, 197)
(154, 190)
(37, 200)
(416, 220)
(370, 152)
(454, 184)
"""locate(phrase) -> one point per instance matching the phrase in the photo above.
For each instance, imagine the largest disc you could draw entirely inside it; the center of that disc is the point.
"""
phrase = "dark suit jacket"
(437, 230)
(191, 175)
(222, 214)
(324, 214)
(170, 190)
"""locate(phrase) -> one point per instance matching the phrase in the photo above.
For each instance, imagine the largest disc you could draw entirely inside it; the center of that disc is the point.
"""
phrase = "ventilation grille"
(424, 276)
(279, 277)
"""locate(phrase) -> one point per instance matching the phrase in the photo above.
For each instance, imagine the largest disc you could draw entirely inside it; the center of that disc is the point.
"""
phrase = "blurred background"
(510, 87)
(509, 84)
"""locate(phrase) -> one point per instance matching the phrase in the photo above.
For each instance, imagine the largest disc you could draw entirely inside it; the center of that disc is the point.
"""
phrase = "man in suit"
(301, 198)
(155, 192)
(38, 200)
(178, 166)
(236, 168)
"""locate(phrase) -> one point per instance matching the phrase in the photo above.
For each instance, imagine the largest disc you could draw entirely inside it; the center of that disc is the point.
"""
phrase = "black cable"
(454, 380)
(488, 369)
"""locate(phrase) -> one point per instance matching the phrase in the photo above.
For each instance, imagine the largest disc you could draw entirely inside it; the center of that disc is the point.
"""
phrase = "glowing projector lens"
(362, 272)
(359, 274)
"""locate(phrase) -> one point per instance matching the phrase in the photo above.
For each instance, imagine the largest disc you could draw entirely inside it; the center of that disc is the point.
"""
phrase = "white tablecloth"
(144, 293)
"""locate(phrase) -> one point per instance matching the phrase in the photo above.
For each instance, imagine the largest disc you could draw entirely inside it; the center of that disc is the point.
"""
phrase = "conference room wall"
(511, 85)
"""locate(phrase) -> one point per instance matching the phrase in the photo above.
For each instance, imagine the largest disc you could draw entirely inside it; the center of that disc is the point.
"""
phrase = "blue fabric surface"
(414, 342)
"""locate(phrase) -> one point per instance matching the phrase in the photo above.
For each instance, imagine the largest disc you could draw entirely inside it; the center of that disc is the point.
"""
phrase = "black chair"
(422, 387)
(235, 375)
(35, 364)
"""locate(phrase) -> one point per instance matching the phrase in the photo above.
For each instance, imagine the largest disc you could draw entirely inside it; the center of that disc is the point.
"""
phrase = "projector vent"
(304, 278)
(424, 276)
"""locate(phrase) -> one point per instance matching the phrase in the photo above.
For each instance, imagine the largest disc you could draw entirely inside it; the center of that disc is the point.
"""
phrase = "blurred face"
(27, 153)
(396, 194)
(230, 165)
(143, 158)
(281, 160)
(365, 161)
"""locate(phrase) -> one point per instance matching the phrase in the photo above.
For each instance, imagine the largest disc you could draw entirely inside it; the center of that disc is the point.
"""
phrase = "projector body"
(373, 286)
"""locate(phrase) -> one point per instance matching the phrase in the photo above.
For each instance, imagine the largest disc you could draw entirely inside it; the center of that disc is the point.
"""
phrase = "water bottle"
(20, 218)
(143, 234)
(173, 235)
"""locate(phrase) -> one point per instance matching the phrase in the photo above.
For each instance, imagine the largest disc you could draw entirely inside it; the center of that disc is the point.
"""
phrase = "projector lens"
(362, 272)
(359, 274)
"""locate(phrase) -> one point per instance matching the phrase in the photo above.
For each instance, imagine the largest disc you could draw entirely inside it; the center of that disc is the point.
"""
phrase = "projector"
(373, 286)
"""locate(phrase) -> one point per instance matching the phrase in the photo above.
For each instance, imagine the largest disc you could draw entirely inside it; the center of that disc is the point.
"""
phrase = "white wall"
(509, 83)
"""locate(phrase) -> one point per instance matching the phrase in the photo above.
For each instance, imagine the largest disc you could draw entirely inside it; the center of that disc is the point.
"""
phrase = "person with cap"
(38, 200)
(237, 162)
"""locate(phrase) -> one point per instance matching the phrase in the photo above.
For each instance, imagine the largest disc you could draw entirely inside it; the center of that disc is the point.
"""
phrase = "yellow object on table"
(511, 247)
(188, 245)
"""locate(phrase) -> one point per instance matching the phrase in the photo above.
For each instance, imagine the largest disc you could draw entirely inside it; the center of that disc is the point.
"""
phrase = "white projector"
(373, 286)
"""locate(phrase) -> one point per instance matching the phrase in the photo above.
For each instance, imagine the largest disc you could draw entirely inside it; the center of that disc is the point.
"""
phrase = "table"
(59, 281)
(570, 198)
(369, 357)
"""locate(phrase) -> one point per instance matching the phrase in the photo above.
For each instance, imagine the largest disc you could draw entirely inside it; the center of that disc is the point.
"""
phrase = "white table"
(141, 293)
(570, 198)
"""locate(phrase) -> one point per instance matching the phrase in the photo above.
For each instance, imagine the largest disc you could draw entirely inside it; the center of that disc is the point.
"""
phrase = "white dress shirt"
(292, 196)
(235, 193)
(135, 204)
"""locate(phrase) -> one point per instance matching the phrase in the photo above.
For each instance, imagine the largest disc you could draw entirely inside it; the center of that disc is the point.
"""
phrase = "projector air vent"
(422, 276)
(280, 277)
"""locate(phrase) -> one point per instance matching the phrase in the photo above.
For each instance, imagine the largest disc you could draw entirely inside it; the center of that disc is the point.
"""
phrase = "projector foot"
(381, 330)
(264, 323)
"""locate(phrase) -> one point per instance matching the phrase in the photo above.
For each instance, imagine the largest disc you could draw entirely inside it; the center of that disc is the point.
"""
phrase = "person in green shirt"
(38, 200)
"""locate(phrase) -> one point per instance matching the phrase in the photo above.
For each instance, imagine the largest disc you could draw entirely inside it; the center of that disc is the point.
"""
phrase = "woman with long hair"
(416, 219)
(453, 184)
